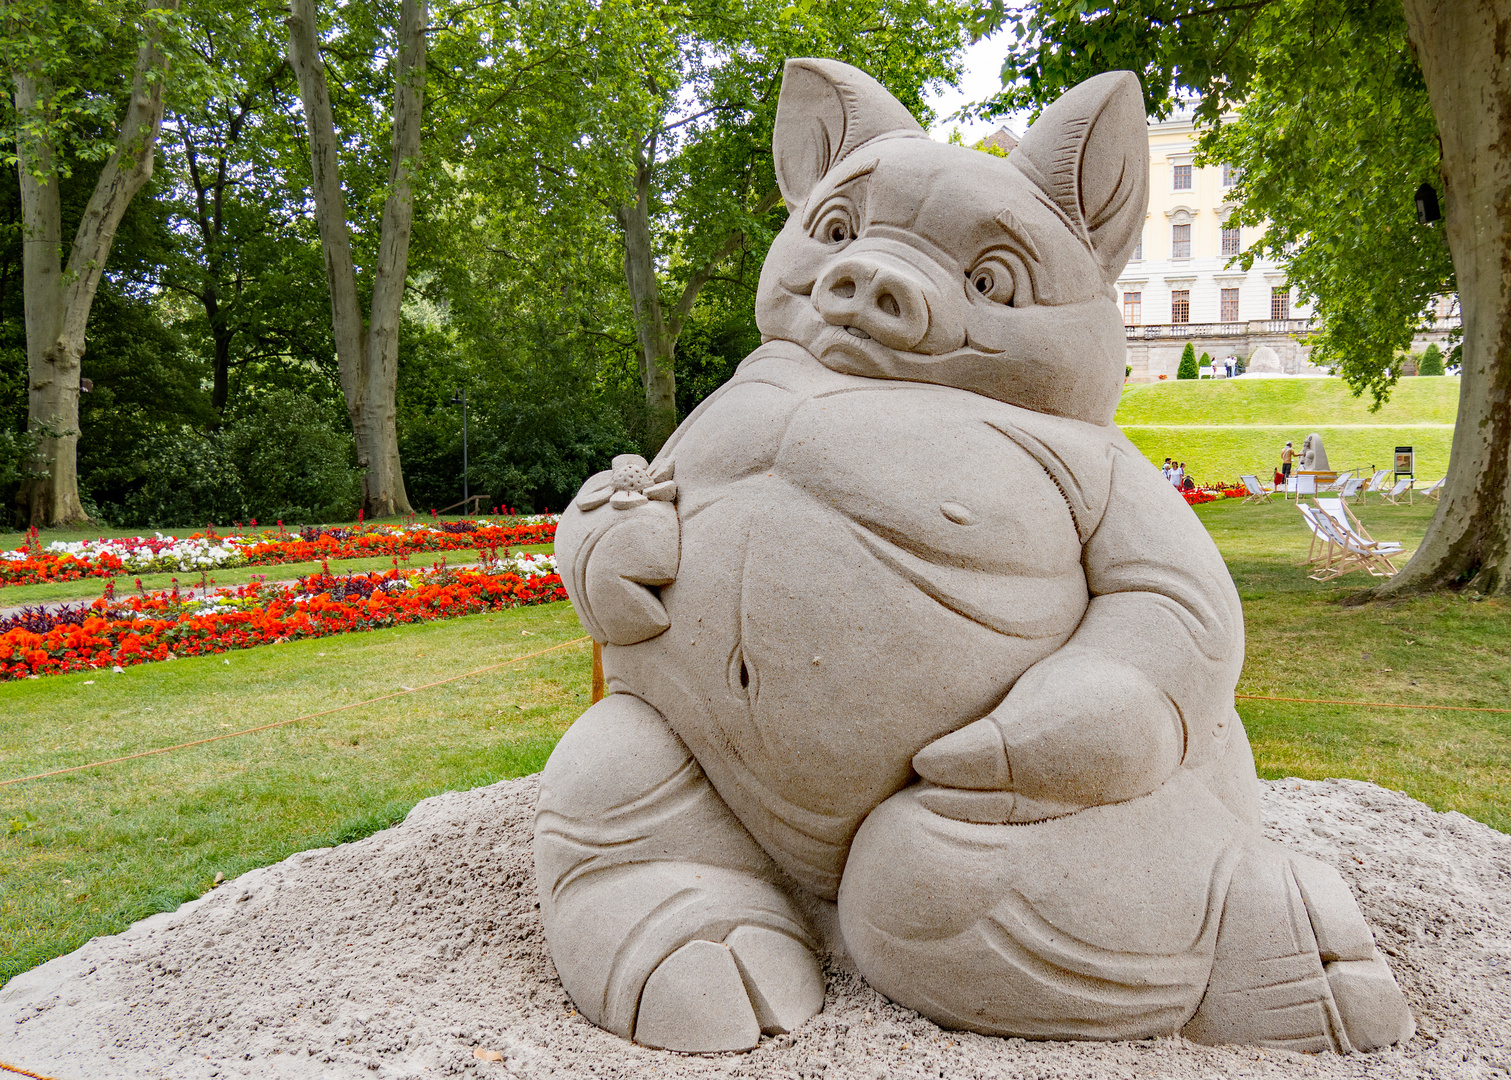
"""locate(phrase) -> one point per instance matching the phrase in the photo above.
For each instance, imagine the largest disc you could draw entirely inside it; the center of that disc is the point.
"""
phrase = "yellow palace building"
(1178, 287)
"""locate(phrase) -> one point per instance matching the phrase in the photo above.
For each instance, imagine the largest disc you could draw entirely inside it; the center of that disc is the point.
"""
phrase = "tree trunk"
(366, 355)
(655, 329)
(1464, 48)
(658, 343)
(57, 305)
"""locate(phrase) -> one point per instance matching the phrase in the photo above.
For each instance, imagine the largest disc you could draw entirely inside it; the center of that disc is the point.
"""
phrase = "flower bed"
(64, 561)
(167, 625)
(1212, 494)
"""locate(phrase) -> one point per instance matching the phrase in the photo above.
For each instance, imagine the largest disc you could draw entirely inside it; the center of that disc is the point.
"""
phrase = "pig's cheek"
(789, 316)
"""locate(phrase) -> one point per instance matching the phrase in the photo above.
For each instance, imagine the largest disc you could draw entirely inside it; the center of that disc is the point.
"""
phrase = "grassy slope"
(113, 844)
(1223, 428)
(89, 588)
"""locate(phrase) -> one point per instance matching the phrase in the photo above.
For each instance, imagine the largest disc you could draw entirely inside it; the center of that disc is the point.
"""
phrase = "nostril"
(888, 303)
(844, 288)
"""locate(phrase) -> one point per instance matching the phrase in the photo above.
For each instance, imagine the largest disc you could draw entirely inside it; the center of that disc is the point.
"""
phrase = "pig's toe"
(711, 996)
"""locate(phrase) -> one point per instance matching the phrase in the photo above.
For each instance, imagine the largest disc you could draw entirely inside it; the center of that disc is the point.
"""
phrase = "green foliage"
(281, 457)
(1431, 362)
(293, 459)
(1334, 132)
(1187, 369)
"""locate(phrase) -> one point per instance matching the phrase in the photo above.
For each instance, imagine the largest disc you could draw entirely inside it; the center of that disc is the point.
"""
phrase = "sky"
(983, 61)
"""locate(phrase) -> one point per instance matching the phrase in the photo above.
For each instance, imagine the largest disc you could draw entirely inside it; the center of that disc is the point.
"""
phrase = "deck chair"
(1401, 490)
(1353, 489)
(1325, 547)
(1380, 481)
(1435, 492)
(1301, 485)
(1331, 555)
(1256, 490)
(1373, 556)
(1337, 483)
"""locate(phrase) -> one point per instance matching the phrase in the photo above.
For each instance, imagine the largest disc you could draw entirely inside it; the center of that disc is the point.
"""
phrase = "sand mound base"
(401, 955)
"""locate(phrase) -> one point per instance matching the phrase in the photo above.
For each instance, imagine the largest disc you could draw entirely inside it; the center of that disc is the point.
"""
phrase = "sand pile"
(406, 953)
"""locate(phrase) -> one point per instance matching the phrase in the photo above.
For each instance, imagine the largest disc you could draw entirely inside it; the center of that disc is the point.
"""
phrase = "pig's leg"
(1163, 913)
(667, 922)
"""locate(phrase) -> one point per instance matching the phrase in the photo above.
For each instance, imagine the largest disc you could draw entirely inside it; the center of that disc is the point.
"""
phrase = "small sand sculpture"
(912, 655)
(1313, 456)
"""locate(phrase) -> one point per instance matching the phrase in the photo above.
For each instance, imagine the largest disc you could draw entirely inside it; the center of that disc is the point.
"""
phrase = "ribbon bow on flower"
(633, 482)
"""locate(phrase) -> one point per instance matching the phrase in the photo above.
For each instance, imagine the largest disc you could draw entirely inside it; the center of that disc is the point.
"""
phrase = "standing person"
(1178, 475)
(1166, 469)
(1287, 455)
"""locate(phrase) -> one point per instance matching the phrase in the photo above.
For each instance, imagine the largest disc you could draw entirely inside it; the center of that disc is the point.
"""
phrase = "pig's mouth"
(851, 349)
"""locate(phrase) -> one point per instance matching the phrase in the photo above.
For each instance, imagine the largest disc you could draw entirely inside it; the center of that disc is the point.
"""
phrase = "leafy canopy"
(1318, 103)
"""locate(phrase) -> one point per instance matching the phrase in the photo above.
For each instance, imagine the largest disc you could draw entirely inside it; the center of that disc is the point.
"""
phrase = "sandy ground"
(403, 954)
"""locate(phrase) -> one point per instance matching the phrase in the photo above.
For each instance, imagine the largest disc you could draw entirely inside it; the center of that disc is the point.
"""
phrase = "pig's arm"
(1144, 684)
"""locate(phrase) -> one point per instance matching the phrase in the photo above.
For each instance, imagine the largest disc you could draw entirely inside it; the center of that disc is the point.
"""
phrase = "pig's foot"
(1296, 966)
(666, 920)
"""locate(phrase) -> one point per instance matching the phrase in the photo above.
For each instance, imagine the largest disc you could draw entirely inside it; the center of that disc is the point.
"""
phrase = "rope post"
(597, 672)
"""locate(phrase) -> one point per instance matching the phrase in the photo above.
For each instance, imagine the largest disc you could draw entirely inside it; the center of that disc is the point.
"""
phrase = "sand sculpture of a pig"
(912, 657)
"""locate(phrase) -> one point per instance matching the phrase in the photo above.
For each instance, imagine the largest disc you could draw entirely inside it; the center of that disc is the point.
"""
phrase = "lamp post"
(461, 399)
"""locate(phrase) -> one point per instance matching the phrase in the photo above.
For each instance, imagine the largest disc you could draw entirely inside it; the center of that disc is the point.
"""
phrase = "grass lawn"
(1301, 642)
(89, 588)
(89, 852)
(1225, 428)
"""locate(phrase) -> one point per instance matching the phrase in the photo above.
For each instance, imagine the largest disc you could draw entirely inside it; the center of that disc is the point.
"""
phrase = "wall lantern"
(1427, 205)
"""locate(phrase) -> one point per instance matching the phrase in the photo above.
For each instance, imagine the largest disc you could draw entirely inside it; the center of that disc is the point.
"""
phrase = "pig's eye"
(995, 278)
(837, 226)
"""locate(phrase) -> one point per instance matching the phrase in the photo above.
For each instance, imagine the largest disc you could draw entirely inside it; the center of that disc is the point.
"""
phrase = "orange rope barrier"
(25, 1072)
(1370, 704)
(306, 716)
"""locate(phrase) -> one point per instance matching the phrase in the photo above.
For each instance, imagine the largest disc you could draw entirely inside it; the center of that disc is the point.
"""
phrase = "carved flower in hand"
(634, 482)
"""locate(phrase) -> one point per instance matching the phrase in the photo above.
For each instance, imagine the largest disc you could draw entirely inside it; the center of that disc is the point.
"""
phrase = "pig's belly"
(805, 666)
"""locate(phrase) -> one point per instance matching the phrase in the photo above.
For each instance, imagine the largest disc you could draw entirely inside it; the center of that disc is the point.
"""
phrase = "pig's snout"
(880, 299)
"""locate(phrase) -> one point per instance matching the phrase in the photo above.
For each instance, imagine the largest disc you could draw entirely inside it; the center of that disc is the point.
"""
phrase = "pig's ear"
(825, 111)
(1089, 152)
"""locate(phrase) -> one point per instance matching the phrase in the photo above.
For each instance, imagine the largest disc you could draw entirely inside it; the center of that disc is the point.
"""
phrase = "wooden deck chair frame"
(1341, 558)
(1257, 493)
(1372, 555)
(1401, 489)
(1324, 549)
(1435, 491)
(1379, 482)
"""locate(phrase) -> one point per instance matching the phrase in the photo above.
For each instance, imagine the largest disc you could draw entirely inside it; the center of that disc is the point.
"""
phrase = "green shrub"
(1187, 369)
(280, 456)
(293, 462)
(1431, 362)
(192, 481)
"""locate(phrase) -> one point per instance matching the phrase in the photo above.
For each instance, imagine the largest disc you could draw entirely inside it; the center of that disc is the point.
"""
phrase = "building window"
(1230, 175)
(1133, 308)
(1180, 241)
(1280, 303)
(1180, 305)
(1228, 309)
(1138, 249)
(1229, 240)
(1182, 178)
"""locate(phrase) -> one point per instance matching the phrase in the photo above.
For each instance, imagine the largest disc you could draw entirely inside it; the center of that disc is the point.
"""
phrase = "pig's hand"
(617, 542)
(1077, 730)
